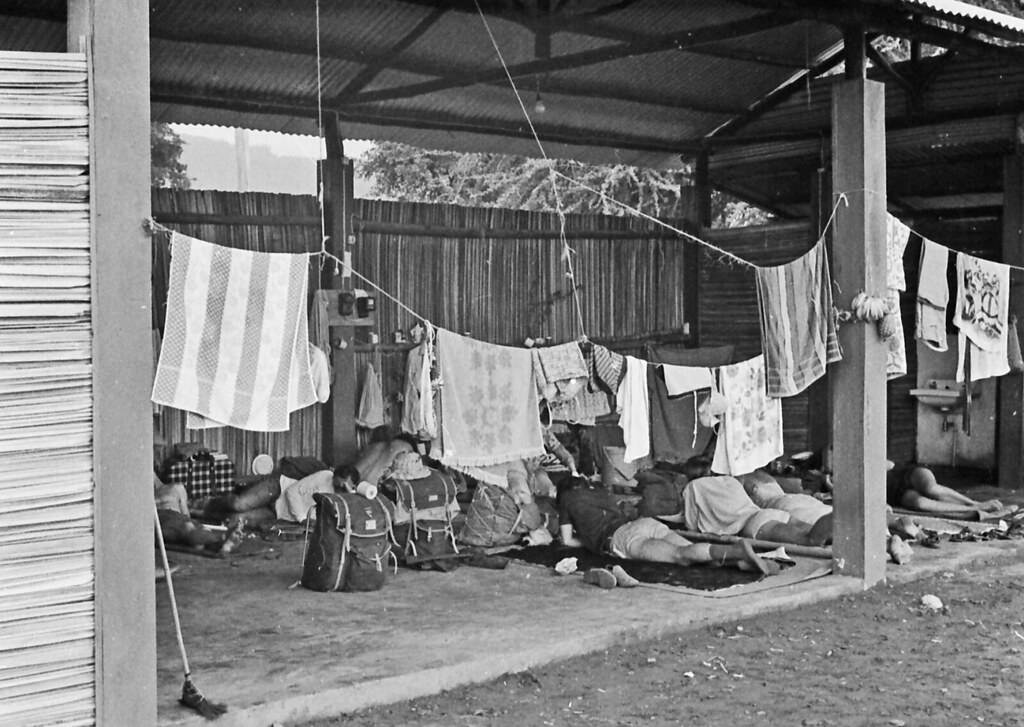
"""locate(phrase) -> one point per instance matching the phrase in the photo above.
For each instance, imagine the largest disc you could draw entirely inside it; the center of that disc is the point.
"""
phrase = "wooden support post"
(695, 204)
(340, 440)
(1010, 422)
(117, 33)
(858, 382)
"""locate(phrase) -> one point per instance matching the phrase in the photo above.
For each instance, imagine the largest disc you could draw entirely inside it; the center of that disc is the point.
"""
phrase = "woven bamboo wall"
(305, 433)
(500, 290)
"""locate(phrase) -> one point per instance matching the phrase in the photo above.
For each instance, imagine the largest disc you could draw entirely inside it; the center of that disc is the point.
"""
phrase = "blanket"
(489, 405)
(235, 349)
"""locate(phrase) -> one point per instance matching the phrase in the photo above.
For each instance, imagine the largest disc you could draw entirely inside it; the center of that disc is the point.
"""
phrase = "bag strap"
(346, 543)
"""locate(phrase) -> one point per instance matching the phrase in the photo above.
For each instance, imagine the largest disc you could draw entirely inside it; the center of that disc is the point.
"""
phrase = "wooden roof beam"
(165, 94)
(679, 40)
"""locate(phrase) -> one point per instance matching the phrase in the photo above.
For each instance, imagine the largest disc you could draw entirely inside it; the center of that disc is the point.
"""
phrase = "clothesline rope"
(567, 251)
(947, 248)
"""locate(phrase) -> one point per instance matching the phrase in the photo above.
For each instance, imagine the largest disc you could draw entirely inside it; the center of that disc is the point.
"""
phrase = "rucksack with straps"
(493, 518)
(430, 538)
(348, 546)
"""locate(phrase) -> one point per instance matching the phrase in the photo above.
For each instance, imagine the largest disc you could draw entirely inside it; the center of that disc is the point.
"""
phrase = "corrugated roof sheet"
(953, 9)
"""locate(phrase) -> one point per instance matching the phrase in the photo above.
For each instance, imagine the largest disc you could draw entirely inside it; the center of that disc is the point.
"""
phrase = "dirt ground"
(877, 658)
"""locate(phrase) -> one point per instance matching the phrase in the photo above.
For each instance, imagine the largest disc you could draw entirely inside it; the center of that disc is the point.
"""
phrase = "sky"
(284, 163)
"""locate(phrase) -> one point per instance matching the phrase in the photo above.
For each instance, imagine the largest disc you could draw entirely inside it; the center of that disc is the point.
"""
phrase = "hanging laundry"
(608, 367)
(750, 435)
(320, 369)
(418, 412)
(371, 401)
(798, 330)
(561, 371)
(1013, 353)
(681, 380)
(633, 406)
(489, 405)
(676, 430)
(896, 238)
(319, 322)
(982, 315)
(584, 408)
(932, 296)
(235, 349)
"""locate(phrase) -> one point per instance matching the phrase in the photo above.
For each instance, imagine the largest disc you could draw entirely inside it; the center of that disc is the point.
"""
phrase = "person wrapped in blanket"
(591, 517)
(179, 528)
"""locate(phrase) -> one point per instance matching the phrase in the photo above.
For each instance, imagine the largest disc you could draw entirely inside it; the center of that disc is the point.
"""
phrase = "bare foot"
(753, 562)
(907, 528)
(990, 505)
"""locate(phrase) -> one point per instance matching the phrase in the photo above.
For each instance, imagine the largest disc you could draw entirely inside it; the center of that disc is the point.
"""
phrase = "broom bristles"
(192, 698)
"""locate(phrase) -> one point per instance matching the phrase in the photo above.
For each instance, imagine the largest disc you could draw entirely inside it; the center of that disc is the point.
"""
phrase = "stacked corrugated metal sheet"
(47, 618)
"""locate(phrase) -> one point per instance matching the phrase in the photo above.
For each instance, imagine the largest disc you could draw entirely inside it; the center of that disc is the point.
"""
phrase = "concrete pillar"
(117, 33)
(1010, 408)
(858, 382)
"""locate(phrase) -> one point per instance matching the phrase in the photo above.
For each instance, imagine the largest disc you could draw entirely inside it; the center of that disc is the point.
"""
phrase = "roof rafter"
(679, 40)
(167, 94)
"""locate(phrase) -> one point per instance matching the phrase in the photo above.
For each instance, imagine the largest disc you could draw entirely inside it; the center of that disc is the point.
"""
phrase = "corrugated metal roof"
(954, 9)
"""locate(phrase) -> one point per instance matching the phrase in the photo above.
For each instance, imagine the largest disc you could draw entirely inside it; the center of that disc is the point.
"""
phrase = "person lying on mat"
(285, 494)
(914, 487)
(718, 505)
(590, 517)
(179, 528)
(766, 492)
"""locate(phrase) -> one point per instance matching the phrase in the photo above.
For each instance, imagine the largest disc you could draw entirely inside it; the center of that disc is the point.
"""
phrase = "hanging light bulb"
(538, 105)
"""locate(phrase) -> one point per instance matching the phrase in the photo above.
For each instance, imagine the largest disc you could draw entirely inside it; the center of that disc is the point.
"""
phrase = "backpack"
(430, 538)
(493, 518)
(350, 543)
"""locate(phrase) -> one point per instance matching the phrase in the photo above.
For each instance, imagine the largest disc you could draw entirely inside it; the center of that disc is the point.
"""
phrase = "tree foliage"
(166, 167)
(402, 172)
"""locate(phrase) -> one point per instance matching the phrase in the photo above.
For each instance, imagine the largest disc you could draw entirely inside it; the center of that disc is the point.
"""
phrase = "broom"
(191, 697)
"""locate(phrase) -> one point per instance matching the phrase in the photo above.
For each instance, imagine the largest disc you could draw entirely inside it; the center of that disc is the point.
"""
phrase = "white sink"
(943, 395)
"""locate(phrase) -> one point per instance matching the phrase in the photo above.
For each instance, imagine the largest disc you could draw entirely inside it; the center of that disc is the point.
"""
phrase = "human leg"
(178, 528)
(651, 540)
(922, 481)
(794, 531)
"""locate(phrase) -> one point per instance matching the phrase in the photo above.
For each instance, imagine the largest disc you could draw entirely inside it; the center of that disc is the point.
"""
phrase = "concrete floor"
(278, 656)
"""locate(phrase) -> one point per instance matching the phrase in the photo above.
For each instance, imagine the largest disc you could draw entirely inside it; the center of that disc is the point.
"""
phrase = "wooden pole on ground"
(810, 551)
(858, 389)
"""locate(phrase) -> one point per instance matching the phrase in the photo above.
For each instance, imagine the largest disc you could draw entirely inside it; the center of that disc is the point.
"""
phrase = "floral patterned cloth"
(489, 406)
(750, 435)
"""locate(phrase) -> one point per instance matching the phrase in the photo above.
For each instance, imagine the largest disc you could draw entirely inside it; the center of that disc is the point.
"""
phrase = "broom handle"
(170, 590)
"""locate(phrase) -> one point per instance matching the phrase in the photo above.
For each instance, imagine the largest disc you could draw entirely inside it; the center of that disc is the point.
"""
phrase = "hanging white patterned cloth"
(750, 435)
(897, 235)
(982, 315)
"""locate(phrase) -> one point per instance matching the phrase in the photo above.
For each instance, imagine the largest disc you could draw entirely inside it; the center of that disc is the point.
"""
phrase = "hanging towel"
(320, 369)
(982, 315)
(932, 296)
(897, 235)
(489, 406)
(235, 349)
(896, 347)
(798, 330)
(584, 408)
(681, 380)
(608, 367)
(634, 409)
(750, 435)
(896, 238)
(371, 401)
(565, 361)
